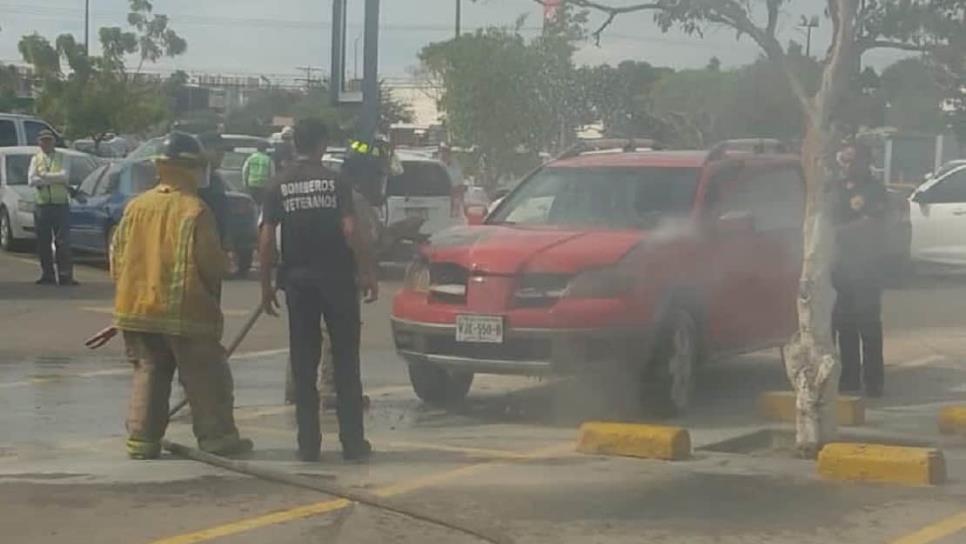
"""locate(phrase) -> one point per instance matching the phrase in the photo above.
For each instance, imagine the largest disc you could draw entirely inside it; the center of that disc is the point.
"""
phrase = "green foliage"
(620, 98)
(97, 95)
(913, 95)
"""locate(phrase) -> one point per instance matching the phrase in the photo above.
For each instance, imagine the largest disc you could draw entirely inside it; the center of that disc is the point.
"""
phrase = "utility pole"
(370, 71)
(808, 25)
(459, 16)
(87, 26)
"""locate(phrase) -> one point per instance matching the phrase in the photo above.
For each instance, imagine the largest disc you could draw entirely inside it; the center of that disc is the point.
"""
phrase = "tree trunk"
(811, 359)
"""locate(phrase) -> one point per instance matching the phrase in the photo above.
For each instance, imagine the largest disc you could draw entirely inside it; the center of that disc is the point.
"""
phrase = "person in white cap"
(48, 175)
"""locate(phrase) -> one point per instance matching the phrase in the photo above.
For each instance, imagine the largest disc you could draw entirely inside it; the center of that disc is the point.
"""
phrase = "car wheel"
(7, 241)
(675, 365)
(438, 386)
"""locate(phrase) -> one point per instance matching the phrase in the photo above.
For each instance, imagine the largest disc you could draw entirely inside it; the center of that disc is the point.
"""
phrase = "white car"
(17, 199)
(938, 217)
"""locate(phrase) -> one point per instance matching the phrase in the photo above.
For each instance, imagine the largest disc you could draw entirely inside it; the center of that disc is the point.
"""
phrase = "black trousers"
(52, 223)
(857, 319)
(308, 302)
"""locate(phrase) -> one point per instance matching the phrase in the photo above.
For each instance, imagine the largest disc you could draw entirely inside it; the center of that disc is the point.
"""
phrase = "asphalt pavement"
(504, 460)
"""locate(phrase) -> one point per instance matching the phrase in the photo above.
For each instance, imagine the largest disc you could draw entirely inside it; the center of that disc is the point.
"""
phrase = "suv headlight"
(611, 282)
(417, 275)
(26, 206)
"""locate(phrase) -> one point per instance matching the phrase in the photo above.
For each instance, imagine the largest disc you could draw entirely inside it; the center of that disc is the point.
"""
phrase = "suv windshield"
(601, 197)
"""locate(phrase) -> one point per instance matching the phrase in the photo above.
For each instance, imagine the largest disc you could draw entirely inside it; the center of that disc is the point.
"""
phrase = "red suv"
(648, 262)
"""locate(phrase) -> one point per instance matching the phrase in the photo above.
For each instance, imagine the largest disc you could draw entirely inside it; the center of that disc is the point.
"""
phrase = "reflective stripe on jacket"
(167, 261)
(56, 193)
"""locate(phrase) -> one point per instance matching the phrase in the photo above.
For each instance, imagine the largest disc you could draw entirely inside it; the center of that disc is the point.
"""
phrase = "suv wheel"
(675, 364)
(435, 385)
(7, 241)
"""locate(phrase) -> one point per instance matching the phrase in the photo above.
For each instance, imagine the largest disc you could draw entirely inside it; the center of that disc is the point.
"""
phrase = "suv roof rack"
(758, 146)
(610, 145)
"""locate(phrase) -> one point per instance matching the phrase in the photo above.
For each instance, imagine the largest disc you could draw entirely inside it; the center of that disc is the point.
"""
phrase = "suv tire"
(7, 241)
(438, 386)
(675, 365)
(243, 262)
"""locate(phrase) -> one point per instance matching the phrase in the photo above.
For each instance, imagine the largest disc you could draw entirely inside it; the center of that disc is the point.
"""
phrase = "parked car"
(645, 263)
(938, 217)
(101, 199)
(17, 198)
(22, 130)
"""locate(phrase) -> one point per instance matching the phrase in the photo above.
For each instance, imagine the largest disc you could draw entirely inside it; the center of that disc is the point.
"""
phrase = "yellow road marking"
(939, 530)
(324, 507)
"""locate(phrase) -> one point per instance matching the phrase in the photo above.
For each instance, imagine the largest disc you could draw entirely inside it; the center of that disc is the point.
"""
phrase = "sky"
(276, 38)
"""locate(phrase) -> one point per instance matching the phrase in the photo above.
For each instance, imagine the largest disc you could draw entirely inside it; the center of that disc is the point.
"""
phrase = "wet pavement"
(505, 459)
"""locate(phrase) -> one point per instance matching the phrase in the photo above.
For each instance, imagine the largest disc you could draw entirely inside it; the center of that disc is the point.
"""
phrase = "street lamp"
(808, 25)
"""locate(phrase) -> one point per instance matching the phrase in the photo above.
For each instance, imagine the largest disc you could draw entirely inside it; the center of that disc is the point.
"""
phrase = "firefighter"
(52, 215)
(314, 209)
(168, 266)
(859, 214)
(257, 171)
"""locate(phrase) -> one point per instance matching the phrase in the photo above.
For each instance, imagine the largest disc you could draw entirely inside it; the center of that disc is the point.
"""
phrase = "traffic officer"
(168, 267)
(48, 175)
(257, 171)
(859, 211)
(315, 212)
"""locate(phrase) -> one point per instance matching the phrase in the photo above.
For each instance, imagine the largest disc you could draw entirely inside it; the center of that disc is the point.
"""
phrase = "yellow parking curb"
(952, 420)
(780, 406)
(633, 440)
(878, 463)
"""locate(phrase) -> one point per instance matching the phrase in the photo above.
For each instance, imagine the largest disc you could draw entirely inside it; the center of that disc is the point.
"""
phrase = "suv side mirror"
(737, 222)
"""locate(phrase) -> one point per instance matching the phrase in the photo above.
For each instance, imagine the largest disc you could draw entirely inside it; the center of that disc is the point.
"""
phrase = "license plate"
(481, 329)
(418, 213)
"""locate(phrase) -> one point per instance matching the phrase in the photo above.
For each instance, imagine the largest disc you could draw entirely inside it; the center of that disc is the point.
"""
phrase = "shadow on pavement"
(25, 291)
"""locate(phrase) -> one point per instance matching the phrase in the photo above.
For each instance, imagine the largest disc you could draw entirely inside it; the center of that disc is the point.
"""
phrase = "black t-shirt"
(309, 202)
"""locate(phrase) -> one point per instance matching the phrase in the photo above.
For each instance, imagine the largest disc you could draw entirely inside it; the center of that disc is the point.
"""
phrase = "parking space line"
(938, 530)
(310, 510)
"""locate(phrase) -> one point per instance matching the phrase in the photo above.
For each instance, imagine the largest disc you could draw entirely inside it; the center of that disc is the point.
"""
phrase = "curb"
(952, 420)
(634, 440)
(780, 406)
(886, 464)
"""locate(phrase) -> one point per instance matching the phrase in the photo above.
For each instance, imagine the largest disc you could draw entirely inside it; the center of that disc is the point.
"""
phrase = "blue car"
(100, 200)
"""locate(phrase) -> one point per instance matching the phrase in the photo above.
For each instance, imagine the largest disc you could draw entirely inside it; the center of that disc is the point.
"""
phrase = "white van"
(423, 190)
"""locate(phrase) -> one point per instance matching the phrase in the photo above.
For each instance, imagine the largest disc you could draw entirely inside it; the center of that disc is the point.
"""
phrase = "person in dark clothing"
(284, 150)
(859, 209)
(314, 209)
(214, 193)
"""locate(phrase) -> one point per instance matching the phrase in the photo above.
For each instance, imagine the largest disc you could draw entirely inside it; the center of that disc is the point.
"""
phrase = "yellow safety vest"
(51, 194)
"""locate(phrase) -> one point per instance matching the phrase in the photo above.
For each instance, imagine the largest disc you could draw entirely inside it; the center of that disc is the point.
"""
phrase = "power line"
(52, 13)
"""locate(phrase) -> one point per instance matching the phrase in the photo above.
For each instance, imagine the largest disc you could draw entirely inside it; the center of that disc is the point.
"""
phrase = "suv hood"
(508, 250)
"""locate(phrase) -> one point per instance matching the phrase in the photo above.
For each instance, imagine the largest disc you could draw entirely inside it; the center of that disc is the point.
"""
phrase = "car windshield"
(600, 197)
(17, 168)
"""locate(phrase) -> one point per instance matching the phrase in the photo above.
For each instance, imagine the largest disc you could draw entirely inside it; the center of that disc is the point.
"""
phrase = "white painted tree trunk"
(811, 358)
